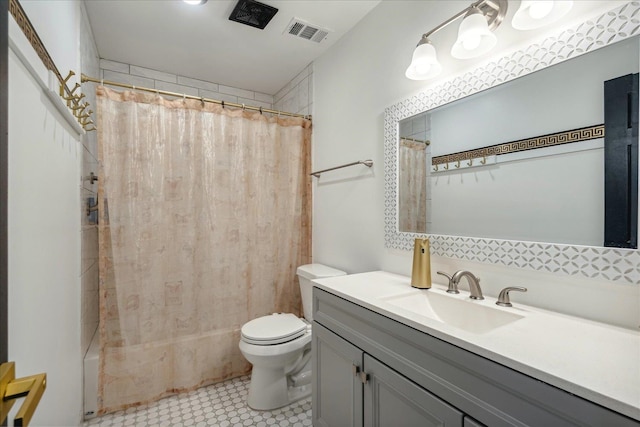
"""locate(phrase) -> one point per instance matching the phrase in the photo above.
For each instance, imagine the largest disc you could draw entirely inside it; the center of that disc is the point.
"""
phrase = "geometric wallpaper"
(619, 265)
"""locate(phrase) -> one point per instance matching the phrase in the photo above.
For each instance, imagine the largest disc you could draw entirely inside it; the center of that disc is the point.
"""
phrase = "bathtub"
(91, 377)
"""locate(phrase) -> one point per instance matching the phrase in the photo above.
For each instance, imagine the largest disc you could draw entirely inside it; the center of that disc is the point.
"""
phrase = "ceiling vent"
(299, 28)
(253, 13)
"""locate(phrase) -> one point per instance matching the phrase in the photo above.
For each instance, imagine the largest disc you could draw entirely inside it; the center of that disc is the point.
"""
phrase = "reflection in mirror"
(550, 194)
(414, 156)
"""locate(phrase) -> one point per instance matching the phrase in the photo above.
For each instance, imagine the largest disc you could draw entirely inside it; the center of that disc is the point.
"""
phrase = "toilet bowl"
(279, 348)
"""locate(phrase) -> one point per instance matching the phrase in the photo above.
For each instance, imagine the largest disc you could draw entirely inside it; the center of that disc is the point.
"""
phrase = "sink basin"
(471, 316)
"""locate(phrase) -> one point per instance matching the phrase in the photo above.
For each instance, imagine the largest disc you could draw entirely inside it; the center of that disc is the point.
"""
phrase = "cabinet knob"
(355, 369)
(364, 377)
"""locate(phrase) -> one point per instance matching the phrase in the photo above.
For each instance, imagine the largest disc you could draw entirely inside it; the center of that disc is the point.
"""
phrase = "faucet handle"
(453, 287)
(503, 298)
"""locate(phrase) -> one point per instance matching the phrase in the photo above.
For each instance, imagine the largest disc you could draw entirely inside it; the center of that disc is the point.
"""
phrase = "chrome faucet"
(474, 283)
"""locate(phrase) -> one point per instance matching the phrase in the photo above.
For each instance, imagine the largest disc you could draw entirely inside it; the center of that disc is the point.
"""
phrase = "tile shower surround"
(222, 404)
(295, 97)
(154, 79)
(89, 300)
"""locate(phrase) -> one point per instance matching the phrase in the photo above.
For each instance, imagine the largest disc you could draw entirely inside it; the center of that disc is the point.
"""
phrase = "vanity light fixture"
(536, 14)
(195, 2)
(475, 37)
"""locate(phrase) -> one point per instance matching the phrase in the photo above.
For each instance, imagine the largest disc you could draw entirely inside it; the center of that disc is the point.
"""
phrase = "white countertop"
(596, 361)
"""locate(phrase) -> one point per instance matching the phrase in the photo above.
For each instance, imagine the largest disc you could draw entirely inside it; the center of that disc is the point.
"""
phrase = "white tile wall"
(297, 95)
(89, 301)
(153, 74)
(156, 79)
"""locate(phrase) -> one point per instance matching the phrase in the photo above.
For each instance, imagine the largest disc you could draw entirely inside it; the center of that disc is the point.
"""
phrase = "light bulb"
(422, 68)
(474, 36)
(424, 63)
(540, 9)
(538, 13)
(195, 2)
(471, 42)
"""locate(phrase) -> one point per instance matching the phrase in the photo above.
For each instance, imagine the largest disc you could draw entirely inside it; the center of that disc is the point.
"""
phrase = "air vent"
(304, 30)
(253, 13)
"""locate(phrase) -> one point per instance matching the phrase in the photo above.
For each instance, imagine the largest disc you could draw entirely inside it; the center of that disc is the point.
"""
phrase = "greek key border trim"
(559, 138)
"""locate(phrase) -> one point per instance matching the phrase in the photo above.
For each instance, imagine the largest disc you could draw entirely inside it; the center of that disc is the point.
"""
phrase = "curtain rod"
(85, 79)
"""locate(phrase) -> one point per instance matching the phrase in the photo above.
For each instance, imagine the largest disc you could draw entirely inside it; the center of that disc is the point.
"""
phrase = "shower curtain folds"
(205, 214)
(413, 160)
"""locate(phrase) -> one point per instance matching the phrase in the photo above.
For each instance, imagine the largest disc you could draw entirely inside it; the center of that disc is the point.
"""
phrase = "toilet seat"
(273, 329)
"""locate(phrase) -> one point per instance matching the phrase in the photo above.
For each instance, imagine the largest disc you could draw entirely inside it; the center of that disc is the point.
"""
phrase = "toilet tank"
(306, 273)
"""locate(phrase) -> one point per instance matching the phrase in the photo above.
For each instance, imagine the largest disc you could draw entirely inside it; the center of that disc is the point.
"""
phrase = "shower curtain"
(205, 213)
(412, 206)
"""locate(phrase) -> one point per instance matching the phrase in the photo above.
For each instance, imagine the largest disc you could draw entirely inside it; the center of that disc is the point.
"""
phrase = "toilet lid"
(273, 329)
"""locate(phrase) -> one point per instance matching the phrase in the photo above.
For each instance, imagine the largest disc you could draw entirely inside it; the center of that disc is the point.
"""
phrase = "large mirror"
(547, 253)
(553, 193)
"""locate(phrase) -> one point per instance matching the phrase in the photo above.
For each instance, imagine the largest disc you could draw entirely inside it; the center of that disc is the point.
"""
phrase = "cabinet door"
(392, 400)
(470, 422)
(337, 390)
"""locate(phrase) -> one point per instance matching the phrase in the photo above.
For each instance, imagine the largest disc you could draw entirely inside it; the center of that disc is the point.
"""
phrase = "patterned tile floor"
(223, 404)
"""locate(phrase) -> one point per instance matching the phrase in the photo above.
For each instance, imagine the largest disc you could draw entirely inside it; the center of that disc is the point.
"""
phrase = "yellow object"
(11, 388)
(421, 272)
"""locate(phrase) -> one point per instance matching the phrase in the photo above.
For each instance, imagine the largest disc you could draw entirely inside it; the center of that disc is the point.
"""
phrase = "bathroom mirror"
(537, 253)
(552, 193)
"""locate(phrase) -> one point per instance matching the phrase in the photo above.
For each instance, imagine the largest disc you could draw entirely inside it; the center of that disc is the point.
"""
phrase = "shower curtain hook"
(242, 107)
(101, 82)
(222, 104)
(260, 110)
(202, 101)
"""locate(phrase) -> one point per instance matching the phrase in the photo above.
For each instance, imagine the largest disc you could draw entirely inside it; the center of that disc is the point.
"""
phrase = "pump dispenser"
(421, 272)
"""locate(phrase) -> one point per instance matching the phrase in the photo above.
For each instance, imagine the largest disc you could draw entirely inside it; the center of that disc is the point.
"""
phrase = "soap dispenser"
(421, 272)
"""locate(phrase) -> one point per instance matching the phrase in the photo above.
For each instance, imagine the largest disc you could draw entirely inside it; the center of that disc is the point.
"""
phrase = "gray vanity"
(386, 354)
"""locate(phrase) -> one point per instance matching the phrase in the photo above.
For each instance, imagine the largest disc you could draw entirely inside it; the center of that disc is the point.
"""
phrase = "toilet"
(279, 348)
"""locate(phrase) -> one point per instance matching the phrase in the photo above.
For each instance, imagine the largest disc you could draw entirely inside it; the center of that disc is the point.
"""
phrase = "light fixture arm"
(493, 10)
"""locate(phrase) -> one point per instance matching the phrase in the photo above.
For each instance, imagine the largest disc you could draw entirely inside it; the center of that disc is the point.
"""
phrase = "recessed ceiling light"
(195, 2)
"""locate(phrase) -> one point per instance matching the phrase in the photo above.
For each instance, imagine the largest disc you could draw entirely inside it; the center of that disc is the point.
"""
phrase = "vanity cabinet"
(355, 389)
(371, 370)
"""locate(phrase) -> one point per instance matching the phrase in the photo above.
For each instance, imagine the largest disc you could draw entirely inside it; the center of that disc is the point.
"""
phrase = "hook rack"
(470, 163)
(68, 95)
(75, 105)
